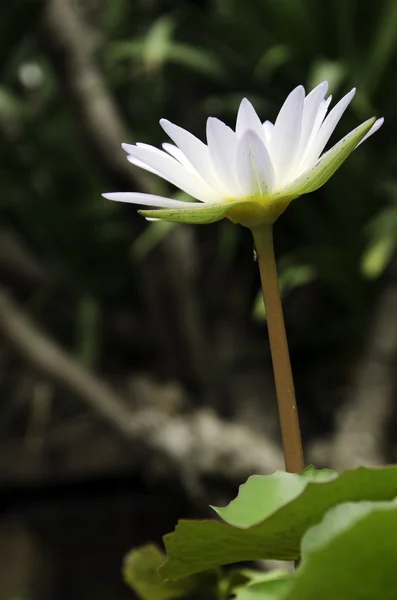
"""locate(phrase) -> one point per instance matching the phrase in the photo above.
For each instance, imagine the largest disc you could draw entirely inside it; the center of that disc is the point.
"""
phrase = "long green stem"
(288, 412)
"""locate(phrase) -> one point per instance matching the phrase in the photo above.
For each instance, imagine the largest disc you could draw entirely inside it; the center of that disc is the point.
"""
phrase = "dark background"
(135, 373)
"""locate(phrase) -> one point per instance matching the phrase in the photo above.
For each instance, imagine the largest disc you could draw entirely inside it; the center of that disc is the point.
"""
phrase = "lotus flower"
(249, 175)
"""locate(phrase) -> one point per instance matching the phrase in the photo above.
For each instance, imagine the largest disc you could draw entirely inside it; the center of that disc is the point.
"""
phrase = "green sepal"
(198, 214)
(250, 212)
(326, 166)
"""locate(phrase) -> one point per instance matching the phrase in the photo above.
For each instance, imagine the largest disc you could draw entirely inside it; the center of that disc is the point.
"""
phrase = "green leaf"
(383, 46)
(196, 59)
(157, 40)
(262, 495)
(327, 70)
(266, 586)
(351, 555)
(287, 512)
(378, 256)
(140, 571)
(329, 162)
(150, 237)
(382, 243)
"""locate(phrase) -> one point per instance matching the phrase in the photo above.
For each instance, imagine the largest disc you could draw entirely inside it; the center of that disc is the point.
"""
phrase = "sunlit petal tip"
(298, 91)
(245, 102)
(149, 200)
(245, 105)
(377, 125)
(323, 86)
(164, 123)
(127, 147)
(117, 196)
(297, 95)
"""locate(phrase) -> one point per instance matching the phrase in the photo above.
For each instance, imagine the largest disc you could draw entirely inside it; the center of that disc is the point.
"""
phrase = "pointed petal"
(142, 165)
(195, 151)
(248, 119)
(178, 154)
(254, 166)
(321, 113)
(377, 125)
(326, 166)
(146, 199)
(304, 163)
(222, 144)
(268, 128)
(286, 134)
(310, 109)
(171, 170)
(320, 141)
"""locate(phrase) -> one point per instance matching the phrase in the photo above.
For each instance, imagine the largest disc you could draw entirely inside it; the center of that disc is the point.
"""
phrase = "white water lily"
(249, 175)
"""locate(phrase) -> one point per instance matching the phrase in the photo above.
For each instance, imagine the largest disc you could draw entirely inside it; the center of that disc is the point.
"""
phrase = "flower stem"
(288, 412)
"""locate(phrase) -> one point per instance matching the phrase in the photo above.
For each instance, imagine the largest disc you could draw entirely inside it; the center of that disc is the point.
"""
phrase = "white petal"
(310, 110)
(222, 144)
(318, 121)
(377, 125)
(318, 144)
(147, 200)
(286, 135)
(248, 119)
(180, 157)
(303, 163)
(329, 162)
(142, 165)
(171, 170)
(254, 166)
(268, 128)
(196, 152)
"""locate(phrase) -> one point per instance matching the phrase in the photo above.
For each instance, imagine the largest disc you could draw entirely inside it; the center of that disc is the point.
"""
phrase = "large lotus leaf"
(350, 555)
(140, 571)
(280, 509)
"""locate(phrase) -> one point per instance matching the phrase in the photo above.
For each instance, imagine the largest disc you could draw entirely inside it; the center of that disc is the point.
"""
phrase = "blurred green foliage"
(185, 60)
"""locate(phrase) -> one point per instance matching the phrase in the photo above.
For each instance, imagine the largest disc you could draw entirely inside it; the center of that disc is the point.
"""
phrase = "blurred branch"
(16, 258)
(194, 445)
(69, 43)
(55, 363)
